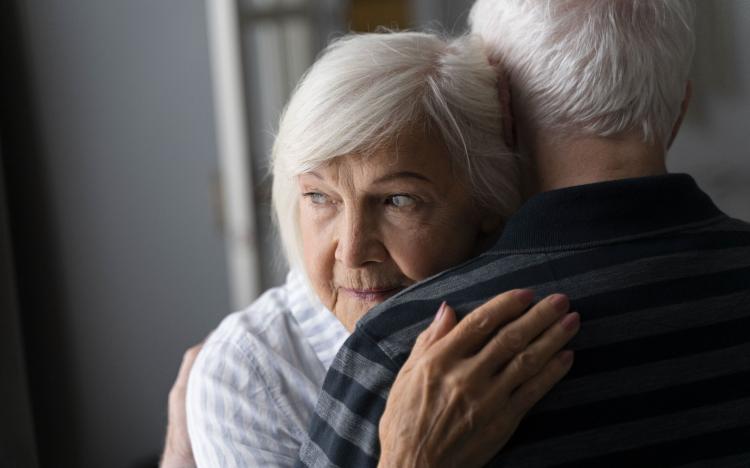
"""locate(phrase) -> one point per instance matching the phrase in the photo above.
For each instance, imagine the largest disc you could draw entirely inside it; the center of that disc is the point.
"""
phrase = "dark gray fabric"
(662, 373)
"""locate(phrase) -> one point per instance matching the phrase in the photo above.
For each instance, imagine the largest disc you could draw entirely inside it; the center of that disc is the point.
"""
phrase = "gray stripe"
(467, 279)
(347, 425)
(369, 374)
(632, 435)
(656, 269)
(646, 378)
(619, 240)
(311, 455)
(434, 286)
(661, 320)
(616, 277)
(401, 341)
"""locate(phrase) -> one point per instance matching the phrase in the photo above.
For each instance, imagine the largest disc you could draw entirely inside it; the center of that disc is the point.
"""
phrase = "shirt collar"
(587, 215)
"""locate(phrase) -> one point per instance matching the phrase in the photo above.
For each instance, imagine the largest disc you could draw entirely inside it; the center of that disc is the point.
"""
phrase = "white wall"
(126, 130)
(713, 145)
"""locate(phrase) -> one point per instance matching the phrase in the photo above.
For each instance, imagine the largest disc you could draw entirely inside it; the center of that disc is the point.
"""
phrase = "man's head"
(592, 68)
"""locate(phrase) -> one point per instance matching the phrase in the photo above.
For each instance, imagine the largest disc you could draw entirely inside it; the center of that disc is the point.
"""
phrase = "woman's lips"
(372, 295)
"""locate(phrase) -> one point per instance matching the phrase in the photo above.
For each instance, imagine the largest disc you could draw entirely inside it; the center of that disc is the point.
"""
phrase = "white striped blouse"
(253, 387)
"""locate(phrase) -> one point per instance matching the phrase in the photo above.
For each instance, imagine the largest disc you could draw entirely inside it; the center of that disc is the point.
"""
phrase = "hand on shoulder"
(466, 386)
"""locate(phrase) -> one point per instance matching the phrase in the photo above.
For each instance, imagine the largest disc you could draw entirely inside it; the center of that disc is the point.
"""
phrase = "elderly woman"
(389, 167)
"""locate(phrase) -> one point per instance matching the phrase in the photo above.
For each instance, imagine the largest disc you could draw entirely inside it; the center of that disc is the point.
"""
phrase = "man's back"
(662, 373)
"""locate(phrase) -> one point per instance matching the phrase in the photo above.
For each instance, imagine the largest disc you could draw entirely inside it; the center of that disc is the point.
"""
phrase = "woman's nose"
(359, 242)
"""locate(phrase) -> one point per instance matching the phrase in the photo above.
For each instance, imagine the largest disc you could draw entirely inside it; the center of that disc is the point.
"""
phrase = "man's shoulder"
(394, 325)
(732, 224)
(456, 282)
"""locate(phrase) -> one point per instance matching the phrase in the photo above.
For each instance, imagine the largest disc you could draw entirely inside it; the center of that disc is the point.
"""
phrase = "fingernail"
(571, 321)
(441, 311)
(566, 357)
(524, 296)
(559, 302)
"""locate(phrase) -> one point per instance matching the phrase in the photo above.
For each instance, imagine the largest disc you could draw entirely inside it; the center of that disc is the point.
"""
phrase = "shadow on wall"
(36, 255)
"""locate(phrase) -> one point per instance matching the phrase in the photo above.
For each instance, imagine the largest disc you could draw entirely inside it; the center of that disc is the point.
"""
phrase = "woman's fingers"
(529, 362)
(472, 333)
(511, 343)
(528, 394)
(444, 321)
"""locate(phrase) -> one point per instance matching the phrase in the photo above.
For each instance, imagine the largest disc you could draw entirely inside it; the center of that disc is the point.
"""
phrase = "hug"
(488, 260)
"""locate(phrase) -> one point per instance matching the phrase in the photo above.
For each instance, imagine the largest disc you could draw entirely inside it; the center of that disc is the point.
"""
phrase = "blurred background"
(134, 197)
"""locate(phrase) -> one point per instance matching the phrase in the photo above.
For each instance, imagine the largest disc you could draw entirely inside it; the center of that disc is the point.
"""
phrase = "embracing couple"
(489, 263)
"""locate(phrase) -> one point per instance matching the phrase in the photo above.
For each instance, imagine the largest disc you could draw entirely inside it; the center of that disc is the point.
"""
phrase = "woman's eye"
(317, 198)
(401, 201)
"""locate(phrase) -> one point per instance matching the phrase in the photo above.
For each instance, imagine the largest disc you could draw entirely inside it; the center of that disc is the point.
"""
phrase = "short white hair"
(364, 90)
(601, 67)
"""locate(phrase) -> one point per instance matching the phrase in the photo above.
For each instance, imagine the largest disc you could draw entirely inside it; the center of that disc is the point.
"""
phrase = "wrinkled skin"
(372, 225)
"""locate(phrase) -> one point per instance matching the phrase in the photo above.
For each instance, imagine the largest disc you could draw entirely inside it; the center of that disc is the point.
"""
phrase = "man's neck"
(559, 163)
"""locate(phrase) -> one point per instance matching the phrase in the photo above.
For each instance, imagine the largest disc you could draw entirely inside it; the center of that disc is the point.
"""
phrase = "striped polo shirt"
(661, 378)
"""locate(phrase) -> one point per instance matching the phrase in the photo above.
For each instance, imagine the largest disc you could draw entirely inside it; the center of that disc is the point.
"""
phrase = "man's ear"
(683, 112)
(506, 109)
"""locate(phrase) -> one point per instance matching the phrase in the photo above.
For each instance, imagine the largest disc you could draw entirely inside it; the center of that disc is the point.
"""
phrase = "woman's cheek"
(319, 248)
(413, 248)
(319, 270)
(430, 247)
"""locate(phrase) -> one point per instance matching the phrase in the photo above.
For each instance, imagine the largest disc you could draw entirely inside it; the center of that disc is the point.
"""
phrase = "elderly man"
(660, 276)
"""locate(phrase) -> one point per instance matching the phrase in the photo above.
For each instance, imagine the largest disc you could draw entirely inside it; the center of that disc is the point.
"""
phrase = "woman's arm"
(465, 387)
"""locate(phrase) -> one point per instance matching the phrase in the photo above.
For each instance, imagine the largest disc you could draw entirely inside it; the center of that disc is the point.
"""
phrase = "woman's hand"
(465, 387)
(178, 453)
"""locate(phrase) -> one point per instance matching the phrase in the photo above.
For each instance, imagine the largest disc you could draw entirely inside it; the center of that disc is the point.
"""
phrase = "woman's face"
(373, 226)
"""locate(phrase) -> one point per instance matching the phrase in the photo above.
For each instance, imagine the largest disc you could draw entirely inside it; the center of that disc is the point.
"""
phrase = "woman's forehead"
(409, 157)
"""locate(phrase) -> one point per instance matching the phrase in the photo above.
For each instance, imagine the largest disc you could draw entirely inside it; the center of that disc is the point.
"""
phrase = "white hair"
(366, 89)
(601, 67)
